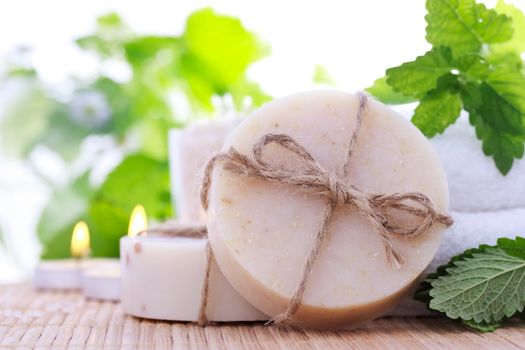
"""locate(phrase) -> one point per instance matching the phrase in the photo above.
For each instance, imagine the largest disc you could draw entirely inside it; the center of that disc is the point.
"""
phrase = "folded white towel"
(469, 231)
(474, 181)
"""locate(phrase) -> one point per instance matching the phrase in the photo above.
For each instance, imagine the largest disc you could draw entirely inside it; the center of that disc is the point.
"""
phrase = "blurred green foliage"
(208, 60)
(321, 76)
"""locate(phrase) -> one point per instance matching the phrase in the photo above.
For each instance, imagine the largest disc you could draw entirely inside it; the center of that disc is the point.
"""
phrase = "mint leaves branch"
(482, 287)
(474, 65)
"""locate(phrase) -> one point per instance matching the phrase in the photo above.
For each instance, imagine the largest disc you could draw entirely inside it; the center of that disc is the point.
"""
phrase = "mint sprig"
(475, 64)
(464, 25)
(482, 287)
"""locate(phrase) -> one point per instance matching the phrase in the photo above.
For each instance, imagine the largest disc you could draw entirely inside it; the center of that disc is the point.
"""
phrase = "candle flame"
(138, 221)
(80, 240)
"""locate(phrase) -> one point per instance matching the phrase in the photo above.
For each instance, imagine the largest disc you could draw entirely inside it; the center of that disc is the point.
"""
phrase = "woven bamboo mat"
(45, 320)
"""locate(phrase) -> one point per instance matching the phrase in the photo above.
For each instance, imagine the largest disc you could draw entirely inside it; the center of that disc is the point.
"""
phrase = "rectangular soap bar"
(162, 278)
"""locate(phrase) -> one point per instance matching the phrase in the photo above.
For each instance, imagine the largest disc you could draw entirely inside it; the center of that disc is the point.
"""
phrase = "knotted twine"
(191, 230)
(311, 177)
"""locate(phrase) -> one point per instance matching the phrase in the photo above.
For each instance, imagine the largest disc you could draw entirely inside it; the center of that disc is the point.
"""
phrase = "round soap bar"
(261, 232)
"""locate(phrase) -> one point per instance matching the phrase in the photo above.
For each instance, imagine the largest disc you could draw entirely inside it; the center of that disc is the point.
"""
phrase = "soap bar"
(189, 149)
(261, 231)
(162, 278)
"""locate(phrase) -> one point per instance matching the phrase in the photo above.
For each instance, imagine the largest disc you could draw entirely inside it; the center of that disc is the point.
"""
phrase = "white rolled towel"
(474, 181)
(469, 231)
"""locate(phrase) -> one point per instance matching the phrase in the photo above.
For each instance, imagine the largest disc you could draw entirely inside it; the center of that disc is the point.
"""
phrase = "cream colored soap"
(162, 278)
(261, 232)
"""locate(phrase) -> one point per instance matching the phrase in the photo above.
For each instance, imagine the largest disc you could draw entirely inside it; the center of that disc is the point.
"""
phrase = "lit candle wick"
(80, 240)
(138, 221)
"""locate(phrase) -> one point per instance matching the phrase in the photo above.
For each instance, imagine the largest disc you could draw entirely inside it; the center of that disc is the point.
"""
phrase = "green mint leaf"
(483, 327)
(497, 111)
(464, 25)
(517, 43)
(473, 66)
(422, 293)
(504, 148)
(418, 77)
(509, 84)
(384, 93)
(491, 26)
(487, 287)
(436, 111)
(513, 247)
(511, 60)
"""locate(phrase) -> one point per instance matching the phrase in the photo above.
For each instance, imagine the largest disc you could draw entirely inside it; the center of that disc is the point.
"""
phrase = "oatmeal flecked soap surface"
(262, 228)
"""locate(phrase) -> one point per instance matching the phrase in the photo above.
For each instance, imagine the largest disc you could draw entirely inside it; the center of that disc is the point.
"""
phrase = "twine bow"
(191, 230)
(378, 209)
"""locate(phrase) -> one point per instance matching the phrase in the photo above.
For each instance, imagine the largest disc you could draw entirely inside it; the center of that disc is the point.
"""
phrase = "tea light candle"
(162, 278)
(65, 273)
(58, 274)
(102, 280)
(262, 231)
(189, 149)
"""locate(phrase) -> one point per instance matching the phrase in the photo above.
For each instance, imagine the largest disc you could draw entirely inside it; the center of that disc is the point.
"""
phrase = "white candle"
(58, 274)
(102, 280)
(189, 150)
(65, 273)
(261, 231)
(162, 278)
